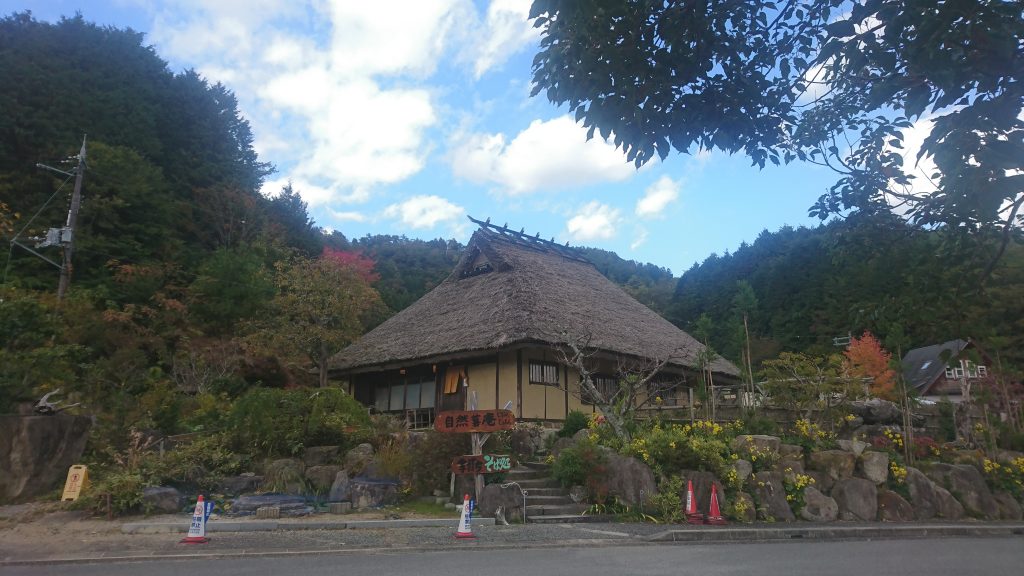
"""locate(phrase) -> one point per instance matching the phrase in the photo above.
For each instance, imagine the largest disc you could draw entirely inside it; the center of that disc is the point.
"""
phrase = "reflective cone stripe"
(466, 520)
(691, 502)
(197, 530)
(692, 516)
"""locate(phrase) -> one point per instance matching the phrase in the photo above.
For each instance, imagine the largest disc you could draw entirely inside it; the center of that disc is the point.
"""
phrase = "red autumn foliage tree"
(865, 358)
(360, 264)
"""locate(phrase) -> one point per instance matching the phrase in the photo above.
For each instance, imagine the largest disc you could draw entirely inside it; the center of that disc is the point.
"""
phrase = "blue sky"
(404, 120)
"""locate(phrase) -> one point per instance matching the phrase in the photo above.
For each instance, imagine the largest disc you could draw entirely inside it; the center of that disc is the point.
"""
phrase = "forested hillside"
(910, 287)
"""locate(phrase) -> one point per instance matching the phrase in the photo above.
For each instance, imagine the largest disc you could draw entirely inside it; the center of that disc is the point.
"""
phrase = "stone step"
(567, 518)
(517, 474)
(546, 492)
(531, 483)
(537, 465)
(548, 500)
(553, 509)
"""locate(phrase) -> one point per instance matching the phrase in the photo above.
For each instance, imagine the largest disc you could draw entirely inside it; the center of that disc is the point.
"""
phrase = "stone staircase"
(546, 500)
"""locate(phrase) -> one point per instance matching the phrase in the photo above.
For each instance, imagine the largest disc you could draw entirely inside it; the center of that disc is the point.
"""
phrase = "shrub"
(123, 486)
(199, 464)
(667, 504)
(674, 448)
(811, 436)
(271, 421)
(759, 425)
(574, 422)
(582, 465)
(431, 459)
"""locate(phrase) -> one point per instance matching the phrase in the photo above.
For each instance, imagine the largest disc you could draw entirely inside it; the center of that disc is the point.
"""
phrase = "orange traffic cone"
(692, 516)
(197, 531)
(714, 514)
(466, 520)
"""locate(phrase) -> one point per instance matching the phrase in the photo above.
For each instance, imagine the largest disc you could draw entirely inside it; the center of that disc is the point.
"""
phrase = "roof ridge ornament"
(535, 242)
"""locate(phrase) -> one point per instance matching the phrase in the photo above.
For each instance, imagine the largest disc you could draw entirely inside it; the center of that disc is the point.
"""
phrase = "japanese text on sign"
(481, 464)
(475, 421)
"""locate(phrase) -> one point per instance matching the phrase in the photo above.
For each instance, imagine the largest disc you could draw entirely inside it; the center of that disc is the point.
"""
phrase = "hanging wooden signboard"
(481, 464)
(474, 421)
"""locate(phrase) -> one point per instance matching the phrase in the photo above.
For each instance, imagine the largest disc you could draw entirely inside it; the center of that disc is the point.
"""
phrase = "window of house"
(972, 370)
(408, 395)
(950, 373)
(606, 385)
(544, 373)
(982, 371)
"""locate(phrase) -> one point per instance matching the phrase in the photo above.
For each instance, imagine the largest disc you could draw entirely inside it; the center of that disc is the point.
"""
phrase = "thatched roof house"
(509, 302)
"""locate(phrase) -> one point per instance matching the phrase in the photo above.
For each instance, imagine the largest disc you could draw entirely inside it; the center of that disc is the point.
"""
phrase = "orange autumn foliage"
(865, 358)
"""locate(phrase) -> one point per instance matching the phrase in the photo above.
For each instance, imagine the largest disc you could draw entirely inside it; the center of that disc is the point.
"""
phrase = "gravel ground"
(36, 532)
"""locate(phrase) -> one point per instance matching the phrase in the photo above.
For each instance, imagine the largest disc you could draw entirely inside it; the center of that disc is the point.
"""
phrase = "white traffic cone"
(466, 520)
(197, 531)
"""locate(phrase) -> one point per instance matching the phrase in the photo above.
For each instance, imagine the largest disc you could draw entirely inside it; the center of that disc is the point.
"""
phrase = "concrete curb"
(268, 525)
(191, 555)
(833, 532)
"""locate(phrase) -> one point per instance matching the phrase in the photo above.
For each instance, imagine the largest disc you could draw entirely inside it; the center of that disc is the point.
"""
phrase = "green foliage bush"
(670, 449)
(667, 504)
(574, 422)
(271, 421)
(582, 465)
(431, 459)
(199, 464)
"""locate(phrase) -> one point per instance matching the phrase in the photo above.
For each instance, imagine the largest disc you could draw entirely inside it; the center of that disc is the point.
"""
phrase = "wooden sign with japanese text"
(474, 421)
(481, 464)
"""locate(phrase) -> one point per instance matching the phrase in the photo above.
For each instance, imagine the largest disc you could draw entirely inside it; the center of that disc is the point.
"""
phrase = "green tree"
(318, 310)
(835, 82)
(806, 383)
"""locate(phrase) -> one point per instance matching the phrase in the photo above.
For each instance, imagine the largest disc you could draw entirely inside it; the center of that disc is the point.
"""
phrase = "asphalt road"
(925, 557)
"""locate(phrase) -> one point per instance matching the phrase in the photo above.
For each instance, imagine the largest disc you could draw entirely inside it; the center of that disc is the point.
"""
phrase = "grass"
(422, 509)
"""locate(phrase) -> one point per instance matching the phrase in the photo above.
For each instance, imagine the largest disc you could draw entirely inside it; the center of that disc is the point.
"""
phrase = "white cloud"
(553, 154)
(424, 211)
(640, 239)
(348, 216)
(506, 31)
(657, 197)
(595, 221)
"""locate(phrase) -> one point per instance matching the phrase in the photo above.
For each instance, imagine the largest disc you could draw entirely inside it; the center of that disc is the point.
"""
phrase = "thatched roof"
(511, 289)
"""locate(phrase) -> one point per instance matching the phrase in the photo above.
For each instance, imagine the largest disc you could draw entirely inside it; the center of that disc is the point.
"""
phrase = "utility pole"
(69, 245)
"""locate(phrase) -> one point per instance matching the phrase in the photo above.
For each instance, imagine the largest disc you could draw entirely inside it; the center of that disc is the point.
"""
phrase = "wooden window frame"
(543, 368)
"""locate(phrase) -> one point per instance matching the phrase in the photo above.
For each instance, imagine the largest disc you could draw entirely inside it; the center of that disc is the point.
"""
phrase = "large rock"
(235, 485)
(791, 452)
(359, 458)
(628, 478)
(525, 441)
(746, 445)
(322, 477)
(838, 464)
(561, 444)
(373, 492)
(929, 499)
(877, 411)
(770, 495)
(702, 482)
(874, 466)
(36, 452)
(510, 500)
(789, 469)
(893, 508)
(341, 490)
(822, 481)
(289, 505)
(855, 446)
(321, 455)
(818, 507)
(285, 475)
(967, 484)
(162, 499)
(743, 469)
(857, 499)
(1009, 508)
